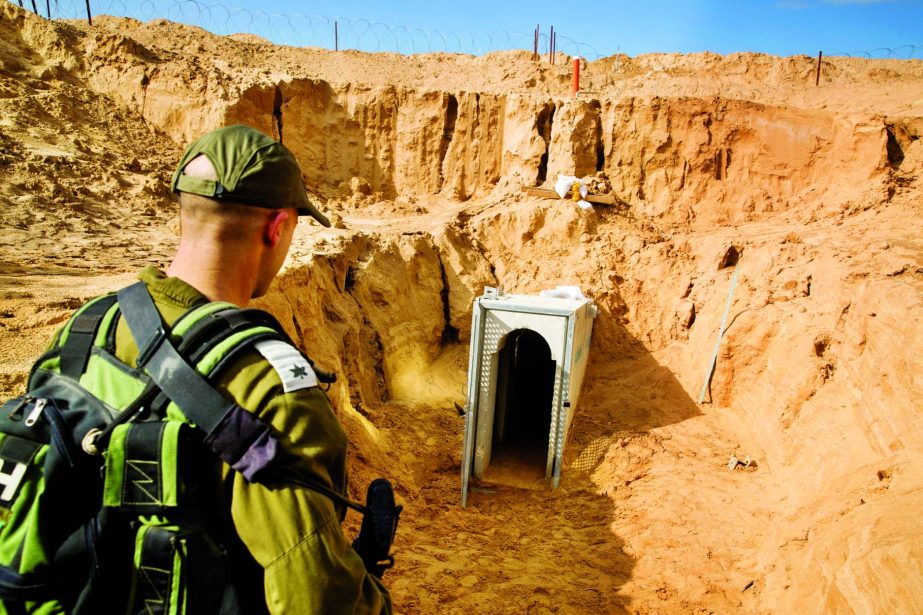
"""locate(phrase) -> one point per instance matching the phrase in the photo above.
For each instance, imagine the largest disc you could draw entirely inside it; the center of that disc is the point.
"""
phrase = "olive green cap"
(252, 168)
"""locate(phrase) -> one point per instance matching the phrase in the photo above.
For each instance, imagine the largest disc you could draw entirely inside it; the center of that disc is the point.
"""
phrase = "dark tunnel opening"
(525, 389)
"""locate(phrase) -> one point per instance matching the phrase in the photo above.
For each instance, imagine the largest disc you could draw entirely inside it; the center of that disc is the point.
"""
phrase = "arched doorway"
(522, 417)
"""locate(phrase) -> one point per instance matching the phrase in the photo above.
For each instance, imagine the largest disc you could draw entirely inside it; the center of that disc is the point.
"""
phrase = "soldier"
(240, 196)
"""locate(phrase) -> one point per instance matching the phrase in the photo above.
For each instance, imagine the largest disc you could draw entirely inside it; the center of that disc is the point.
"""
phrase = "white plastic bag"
(563, 292)
(564, 187)
(564, 184)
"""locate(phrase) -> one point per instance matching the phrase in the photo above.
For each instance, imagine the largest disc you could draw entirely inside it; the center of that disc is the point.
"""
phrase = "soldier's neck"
(228, 275)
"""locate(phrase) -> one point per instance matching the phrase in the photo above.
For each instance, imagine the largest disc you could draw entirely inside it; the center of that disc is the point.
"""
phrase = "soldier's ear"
(274, 226)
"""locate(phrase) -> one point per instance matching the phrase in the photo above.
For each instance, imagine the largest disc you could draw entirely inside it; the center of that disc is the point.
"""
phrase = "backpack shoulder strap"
(80, 334)
(220, 338)
(234, 330)
(235, 435)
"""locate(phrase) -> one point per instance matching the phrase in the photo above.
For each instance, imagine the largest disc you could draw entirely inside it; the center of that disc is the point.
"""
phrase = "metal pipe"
(724, 320)
(820, 56)
(527, 309)
(551, 45)
(89, 16)
(471, 411)
(564, 404)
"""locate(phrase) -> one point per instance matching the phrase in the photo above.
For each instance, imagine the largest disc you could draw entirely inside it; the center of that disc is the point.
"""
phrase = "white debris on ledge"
(565, 187)
(563, 292)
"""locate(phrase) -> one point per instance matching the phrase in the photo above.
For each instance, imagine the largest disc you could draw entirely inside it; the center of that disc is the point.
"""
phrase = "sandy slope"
(420, 161)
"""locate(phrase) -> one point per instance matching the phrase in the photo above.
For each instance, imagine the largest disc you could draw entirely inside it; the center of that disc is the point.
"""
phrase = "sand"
(420, 162)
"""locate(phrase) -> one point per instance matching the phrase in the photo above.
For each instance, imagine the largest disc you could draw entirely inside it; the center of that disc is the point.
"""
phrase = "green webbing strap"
(76, 349)
(238, 437)
(157, 551)
(141, 467)
(212, 330)
(198, 400)
(205, 187)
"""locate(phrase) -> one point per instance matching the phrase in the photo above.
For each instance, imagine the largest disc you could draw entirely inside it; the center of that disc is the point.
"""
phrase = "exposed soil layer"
(728, 173)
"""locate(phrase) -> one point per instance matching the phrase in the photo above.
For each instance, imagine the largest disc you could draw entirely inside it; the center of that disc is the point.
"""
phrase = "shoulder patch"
(293, 369)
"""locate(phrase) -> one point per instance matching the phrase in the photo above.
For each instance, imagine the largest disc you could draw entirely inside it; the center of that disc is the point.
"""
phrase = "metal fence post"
(551, 45)
(554, 46)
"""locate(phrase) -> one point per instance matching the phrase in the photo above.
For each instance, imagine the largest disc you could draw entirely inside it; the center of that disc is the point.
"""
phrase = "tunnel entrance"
(526, 363)
(522, 419)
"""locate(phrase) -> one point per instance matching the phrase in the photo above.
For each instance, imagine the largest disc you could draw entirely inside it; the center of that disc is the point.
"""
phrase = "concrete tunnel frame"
(566, 326)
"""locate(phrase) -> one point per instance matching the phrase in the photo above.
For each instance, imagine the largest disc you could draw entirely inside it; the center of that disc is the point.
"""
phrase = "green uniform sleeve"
(332, 578)
(294, 533)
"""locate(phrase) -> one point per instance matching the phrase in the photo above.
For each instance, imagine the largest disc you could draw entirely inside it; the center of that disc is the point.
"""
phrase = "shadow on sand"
(567, 534)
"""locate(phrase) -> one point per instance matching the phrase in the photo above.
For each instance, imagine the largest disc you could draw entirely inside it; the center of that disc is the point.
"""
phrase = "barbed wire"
(902, 52)
(311, 30)
(343, 33)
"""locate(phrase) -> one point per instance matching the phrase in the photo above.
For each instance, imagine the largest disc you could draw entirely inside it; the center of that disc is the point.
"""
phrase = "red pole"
(576, 80)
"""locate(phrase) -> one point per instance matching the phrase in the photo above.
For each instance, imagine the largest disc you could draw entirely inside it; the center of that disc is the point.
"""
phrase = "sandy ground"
(817, 379)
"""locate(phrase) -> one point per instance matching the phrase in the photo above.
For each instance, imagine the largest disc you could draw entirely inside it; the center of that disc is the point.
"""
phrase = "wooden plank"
(545, 193)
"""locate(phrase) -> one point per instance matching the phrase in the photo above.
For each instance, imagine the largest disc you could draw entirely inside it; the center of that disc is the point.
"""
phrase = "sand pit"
(420, 161)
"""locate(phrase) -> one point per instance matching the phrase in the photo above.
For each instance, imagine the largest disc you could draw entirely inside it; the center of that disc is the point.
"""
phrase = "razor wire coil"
(302, 30)
(901, 52)
(343, 33)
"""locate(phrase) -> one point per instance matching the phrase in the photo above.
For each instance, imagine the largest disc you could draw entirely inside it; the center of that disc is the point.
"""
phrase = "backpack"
(110, 484)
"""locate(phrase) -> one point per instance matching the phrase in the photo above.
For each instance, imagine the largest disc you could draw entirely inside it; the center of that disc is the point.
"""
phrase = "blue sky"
(781, 27)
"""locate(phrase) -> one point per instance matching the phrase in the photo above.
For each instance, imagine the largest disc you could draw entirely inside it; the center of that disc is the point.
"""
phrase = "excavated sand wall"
(400, 141)
(381, 311)
(663, 156)
(814, 375)
(669, 156)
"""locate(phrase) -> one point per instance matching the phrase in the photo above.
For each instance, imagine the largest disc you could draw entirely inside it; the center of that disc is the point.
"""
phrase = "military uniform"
(293, 533)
